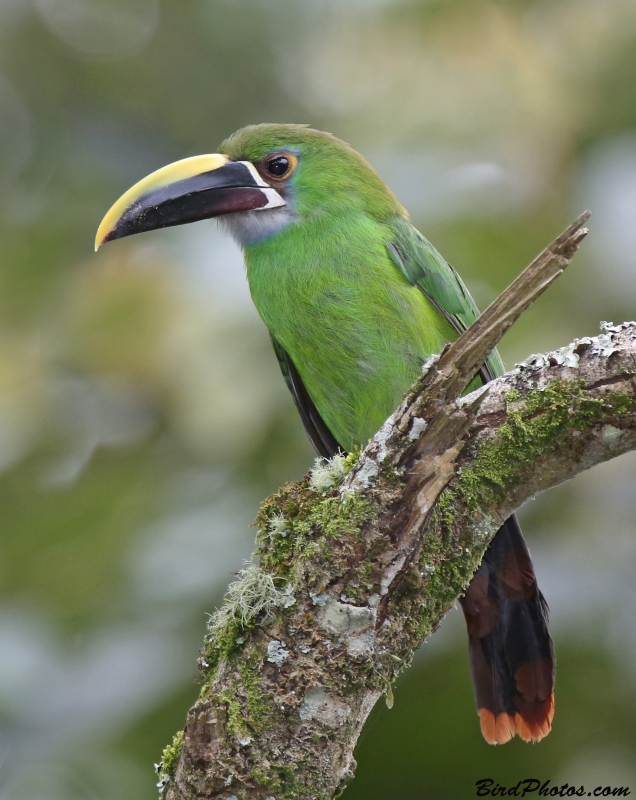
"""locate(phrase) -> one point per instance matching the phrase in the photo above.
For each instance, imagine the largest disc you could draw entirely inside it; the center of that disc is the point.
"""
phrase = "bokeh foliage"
(142, 414)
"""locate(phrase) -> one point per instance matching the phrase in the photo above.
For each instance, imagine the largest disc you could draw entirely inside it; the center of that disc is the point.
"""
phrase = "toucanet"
(355, 300)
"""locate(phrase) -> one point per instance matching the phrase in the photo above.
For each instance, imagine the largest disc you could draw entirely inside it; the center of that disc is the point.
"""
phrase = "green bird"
(355, 300)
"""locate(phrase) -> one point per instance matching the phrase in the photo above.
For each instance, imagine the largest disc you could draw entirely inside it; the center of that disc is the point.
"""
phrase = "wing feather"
(320, 436)
(424, 267)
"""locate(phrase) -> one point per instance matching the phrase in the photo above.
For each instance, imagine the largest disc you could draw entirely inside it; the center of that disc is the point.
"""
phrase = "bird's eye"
(280, 167)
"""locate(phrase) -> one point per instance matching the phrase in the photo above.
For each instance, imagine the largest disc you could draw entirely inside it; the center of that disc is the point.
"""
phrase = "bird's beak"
(186, 191)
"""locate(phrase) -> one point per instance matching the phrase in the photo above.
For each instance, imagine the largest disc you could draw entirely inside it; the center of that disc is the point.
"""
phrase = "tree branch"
(357, 569)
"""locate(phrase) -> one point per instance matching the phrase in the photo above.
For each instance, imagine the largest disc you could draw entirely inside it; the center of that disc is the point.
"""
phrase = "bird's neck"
(301, 262)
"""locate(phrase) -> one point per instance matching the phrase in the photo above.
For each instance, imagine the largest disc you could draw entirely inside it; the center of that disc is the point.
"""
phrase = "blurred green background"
(142, 413)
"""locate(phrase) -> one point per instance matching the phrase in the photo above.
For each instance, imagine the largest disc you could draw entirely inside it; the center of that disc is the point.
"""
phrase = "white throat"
(253, 227)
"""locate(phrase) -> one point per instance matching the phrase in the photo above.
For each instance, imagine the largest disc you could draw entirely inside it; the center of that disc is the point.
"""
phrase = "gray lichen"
(354, 624)
(320, 706)
(327, 473)
(367, 473)
(277, 653)
(278, 525)
(254, 595)
(603, 345)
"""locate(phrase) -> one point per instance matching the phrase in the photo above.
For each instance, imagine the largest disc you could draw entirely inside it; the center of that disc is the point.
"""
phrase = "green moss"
(533, 432)
(336, 518)
(444, 510)
(278, 778)
(170, 756)
(451, 576)
(261, 775)
(219, 645)
(294, 502)
(312, 518)
(351, 459)
(245, 704)
(446, 575)
(236, 724)
(258, 710)
(366, 571)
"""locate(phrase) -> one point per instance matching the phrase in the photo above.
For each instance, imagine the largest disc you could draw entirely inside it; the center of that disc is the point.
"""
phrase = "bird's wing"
(424, 267)
(319, 434)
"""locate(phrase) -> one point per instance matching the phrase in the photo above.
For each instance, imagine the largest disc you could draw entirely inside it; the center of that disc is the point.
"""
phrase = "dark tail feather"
(511, 652)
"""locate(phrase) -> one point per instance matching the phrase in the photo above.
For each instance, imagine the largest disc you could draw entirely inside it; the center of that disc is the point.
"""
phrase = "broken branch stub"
(465, 356)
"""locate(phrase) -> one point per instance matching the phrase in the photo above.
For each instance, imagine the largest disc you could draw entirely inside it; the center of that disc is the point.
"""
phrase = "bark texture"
(360, 561)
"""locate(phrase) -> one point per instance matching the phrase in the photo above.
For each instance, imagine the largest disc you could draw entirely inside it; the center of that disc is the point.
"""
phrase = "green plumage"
(354, 295)
(356, 300)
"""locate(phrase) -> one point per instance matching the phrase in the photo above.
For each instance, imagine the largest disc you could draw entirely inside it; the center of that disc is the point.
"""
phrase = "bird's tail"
(511, 652)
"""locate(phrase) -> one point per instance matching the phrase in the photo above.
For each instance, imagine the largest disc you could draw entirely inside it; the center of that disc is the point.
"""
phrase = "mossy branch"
(360, 561)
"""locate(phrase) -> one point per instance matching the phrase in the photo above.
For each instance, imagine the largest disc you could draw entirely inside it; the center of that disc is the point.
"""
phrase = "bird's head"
(265, 178)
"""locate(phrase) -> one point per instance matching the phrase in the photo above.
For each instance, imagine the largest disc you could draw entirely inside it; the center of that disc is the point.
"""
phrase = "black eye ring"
(278, 166)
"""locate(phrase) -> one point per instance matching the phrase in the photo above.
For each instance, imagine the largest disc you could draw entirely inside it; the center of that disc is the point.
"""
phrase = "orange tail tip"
(532, 727)
(496, 730)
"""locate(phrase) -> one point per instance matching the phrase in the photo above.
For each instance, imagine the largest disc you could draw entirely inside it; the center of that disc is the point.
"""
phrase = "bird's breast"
(356, 331)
